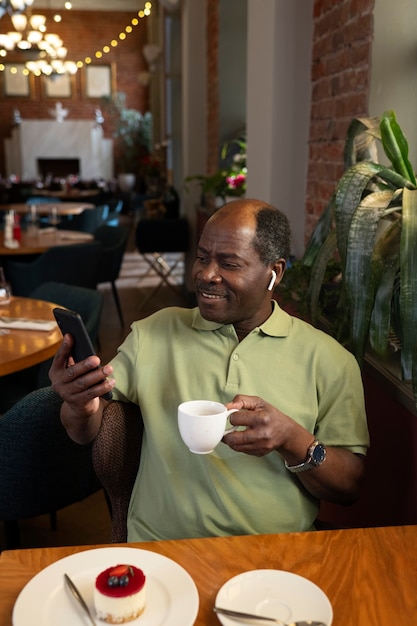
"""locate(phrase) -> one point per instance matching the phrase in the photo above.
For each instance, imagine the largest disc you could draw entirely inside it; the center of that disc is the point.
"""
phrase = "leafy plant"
(379, 271)
(132, 130)
(230, 178)
(295, 284)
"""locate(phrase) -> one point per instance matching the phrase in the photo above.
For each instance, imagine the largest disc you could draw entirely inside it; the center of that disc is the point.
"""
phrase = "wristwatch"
(316, 454)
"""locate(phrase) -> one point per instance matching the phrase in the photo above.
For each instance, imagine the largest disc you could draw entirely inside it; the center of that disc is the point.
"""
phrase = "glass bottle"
(5, 291)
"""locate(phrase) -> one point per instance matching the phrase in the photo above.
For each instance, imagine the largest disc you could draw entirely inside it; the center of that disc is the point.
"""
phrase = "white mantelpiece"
(72, 139)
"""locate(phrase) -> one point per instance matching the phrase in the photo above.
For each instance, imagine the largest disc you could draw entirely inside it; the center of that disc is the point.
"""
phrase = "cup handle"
(230, 430)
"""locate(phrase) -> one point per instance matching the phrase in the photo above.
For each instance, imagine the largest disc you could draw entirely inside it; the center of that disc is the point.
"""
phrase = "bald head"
(271, 236)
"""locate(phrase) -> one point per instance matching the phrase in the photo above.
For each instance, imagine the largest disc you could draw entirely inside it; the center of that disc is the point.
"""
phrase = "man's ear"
(279, 269)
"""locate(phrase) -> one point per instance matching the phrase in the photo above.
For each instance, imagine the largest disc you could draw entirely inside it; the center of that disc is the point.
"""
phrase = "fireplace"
(58, 168)
(41, 147)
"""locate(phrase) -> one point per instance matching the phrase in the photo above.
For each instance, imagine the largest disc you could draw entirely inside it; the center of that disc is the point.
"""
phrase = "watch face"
(319, 454)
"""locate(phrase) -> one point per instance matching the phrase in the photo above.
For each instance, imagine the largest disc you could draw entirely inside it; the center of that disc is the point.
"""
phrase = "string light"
(98, 54)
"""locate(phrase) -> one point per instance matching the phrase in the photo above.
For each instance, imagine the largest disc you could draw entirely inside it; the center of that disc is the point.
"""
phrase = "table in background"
(369, 575)
(67, 194)
(62, 208)
(44, 239)
(20, 349)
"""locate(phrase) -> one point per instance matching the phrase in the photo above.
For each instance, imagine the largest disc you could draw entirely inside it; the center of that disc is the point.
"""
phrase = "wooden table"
(20, 349)
(67, 194)
(44, 239)
(44, 208)
(369, 575)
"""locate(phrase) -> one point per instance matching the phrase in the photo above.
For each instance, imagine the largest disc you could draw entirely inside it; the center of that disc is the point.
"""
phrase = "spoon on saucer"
(239, 615)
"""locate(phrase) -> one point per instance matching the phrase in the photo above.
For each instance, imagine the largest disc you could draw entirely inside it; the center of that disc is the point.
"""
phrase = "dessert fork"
(239, 615)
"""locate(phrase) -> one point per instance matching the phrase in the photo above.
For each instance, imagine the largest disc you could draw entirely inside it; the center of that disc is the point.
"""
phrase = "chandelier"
(44, 52)
(14, 7)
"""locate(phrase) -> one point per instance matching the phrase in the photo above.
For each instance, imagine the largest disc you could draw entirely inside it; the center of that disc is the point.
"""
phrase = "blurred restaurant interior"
(136, 117)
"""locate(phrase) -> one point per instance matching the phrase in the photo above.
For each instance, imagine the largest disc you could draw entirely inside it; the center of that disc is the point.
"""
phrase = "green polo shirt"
(176, 355)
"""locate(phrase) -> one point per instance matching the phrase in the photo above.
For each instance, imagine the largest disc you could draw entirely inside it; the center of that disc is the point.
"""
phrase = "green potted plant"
(229, 181)
(378, 288)
(133, 133)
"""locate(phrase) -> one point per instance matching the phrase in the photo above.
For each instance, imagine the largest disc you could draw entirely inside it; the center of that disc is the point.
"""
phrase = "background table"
(20, 349)
(44, 208)
(369, 575)
(68, 194)
(44, 239)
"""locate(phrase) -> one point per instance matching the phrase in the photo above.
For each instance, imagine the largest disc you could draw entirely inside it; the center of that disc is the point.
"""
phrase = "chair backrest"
(87, 302)
(162, 235)
(114, 241)
(42, 469)
(88, 221)
(115, 208)
(116, 457)
(72, 265)
(41, 200)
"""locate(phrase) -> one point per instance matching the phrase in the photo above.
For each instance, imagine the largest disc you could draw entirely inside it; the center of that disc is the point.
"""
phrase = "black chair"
(155, 238)
(114, 241)
(41, 200)
(73, 264)
(42, 469)
(115, 209)
(87, 302)
(88, 221)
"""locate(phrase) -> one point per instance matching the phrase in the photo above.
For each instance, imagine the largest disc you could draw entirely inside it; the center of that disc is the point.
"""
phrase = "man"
(303, 432)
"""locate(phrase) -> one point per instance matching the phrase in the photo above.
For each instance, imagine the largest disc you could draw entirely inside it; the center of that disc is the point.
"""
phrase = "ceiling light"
(13, 7)
(19, 21)
(38, 22)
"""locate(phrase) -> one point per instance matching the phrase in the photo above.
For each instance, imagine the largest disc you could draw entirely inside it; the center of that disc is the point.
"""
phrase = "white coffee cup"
(202, 424)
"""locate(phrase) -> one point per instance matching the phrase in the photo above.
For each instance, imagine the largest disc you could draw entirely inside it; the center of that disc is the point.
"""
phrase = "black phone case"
(71, 322)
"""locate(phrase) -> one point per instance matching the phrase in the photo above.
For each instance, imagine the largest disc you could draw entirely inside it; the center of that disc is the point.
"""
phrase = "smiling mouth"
(212, 296)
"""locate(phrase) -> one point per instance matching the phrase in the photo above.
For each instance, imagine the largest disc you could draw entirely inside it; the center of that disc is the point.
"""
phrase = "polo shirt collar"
(277, 324)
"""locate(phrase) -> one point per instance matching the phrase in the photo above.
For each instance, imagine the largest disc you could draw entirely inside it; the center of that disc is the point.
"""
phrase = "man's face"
(230, 280)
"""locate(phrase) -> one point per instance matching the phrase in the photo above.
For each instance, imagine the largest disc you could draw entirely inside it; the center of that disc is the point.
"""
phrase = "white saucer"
(171, 594)
(274, 593)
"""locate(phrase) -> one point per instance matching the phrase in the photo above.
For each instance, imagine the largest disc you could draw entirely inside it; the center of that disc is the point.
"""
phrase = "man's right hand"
(80, 385)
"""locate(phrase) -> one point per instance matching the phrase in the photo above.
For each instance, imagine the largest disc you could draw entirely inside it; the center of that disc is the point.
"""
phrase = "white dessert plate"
(171, 594)
(274, 593)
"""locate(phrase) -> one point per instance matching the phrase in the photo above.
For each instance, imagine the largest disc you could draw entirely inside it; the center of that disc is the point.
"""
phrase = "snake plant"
(374, 266)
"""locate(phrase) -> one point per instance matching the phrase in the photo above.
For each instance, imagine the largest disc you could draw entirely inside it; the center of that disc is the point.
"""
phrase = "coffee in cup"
(202, 424)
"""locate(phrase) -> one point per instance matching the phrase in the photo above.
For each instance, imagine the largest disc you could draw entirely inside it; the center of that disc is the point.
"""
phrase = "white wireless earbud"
(272, 281)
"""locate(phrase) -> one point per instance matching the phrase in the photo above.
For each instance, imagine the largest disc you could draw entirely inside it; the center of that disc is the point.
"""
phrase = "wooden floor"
(88, 522)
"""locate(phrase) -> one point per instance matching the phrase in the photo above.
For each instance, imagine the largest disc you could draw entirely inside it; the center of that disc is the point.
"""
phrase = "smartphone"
(71, 322)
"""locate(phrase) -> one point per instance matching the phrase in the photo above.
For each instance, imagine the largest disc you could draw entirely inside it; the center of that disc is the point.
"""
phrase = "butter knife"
(77, 595)
(239, 615)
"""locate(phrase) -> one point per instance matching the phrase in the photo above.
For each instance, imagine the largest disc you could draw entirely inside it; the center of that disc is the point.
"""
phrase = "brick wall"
(83, 33)
(340, 75)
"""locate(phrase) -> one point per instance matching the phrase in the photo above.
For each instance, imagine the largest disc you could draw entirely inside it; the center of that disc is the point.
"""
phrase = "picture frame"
(62, 86)
(17, 83)
(99, 80)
